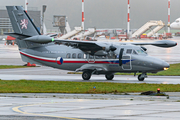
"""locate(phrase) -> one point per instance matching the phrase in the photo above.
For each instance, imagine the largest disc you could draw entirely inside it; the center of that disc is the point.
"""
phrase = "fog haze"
(104, 13)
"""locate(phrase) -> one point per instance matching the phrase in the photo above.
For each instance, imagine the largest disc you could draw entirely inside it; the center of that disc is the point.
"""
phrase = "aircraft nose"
(173, 25)
(165, 65)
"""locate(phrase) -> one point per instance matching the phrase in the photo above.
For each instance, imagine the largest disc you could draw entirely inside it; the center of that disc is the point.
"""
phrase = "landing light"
(166, 68)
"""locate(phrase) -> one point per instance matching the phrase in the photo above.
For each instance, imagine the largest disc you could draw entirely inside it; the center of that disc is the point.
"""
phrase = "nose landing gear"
(109, 76)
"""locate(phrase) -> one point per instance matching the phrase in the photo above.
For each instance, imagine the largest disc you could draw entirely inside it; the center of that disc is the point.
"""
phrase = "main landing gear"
(142, 76)
(86, 75)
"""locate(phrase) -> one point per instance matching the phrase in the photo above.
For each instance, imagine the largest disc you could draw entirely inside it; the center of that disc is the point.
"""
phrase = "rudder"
(21, 22)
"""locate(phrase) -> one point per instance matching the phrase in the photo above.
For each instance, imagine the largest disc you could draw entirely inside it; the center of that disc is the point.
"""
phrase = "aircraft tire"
(109, 76)
(140, 78)
(86, 75)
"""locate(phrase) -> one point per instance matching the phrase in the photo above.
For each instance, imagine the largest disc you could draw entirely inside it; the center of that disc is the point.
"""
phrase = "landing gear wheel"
(86, 75)
(140, 78)
(109, 76)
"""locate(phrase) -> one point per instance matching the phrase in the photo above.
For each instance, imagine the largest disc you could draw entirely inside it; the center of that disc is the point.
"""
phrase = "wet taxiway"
(51, 74)
(47, 73)
(91, 106)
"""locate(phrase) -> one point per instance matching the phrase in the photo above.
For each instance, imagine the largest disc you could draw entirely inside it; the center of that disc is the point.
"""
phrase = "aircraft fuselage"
(134, 59)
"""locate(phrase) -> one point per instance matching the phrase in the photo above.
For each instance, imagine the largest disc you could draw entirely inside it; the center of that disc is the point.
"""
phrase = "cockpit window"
(134, 52)
(140, 51)
(129, 51)
(177, 21)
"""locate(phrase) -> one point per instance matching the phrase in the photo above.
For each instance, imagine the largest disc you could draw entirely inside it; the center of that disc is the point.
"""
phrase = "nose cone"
(175, 25)
(172, 25)
(165, 65)
(158, 64)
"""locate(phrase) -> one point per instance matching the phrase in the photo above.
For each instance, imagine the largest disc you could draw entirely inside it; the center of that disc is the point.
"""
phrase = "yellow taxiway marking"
(17, 109)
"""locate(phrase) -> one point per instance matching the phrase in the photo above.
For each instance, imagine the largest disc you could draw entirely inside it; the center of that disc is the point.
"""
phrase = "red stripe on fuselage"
(54, 61)
(75, 62)
(100, 62)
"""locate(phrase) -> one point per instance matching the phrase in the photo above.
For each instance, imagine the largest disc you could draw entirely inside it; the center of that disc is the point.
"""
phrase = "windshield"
(141, 51)
(177, 21)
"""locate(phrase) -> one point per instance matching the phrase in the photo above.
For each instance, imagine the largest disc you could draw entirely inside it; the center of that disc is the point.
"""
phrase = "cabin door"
(90, 58)
(126, 62)
(125, 59)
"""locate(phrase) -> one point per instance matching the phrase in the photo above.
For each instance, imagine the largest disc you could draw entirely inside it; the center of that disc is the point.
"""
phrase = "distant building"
(5, 24)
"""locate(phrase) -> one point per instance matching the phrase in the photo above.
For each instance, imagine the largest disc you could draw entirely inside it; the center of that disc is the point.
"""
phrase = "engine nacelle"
(101, 53)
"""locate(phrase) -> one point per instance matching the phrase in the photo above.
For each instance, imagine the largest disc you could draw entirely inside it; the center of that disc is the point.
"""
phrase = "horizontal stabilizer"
(16, 35)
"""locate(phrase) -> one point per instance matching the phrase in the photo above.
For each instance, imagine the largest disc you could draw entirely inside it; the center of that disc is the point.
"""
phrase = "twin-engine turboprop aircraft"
(90, 57)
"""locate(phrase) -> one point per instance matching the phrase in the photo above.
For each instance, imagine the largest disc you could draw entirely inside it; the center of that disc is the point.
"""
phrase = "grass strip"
(30, 86)
(11, 66)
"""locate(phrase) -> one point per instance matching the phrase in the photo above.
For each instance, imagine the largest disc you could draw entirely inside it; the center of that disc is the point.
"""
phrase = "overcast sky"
(104, 13)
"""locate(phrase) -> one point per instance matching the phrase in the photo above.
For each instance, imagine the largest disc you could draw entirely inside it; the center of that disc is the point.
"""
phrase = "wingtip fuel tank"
(40, 39)
(165, 43)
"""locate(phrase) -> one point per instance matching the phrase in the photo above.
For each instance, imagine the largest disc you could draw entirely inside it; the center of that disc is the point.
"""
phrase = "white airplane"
(175, 24)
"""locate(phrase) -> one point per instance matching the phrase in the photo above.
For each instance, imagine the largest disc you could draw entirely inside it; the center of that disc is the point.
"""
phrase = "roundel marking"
(59, 60)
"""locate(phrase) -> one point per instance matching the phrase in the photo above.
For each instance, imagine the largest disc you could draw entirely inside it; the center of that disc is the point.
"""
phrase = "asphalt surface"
(51, 74)
(88, 106)
(47, 106)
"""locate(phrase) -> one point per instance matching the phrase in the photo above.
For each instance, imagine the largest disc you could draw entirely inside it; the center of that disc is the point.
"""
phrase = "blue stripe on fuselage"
(117, 61)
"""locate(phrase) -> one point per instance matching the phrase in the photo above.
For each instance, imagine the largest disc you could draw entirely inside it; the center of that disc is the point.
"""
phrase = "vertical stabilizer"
(21, 22)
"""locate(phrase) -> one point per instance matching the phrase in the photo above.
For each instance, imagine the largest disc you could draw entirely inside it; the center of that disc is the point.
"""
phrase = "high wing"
(90, 47)
(93, 47)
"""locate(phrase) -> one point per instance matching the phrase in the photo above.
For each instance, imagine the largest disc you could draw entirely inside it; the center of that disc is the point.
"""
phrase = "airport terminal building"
(5, 24)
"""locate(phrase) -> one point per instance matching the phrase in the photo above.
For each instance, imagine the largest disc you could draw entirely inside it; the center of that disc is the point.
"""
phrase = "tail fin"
(21, 23)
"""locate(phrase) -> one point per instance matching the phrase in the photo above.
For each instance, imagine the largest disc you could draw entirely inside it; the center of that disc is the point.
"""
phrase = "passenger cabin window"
(79, 55)
(74, 55)
(129, 51)
(68, 55)
(85, 56)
